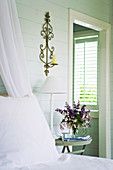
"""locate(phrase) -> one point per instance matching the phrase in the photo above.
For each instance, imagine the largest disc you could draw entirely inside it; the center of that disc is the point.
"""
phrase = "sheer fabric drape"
(13, 67)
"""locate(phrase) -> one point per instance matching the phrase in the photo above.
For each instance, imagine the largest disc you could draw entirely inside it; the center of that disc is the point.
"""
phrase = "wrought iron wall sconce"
(46, 55)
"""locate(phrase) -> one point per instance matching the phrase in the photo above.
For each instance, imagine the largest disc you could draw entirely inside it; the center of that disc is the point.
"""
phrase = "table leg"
(84, 149)
(63, 150)
(68, 149)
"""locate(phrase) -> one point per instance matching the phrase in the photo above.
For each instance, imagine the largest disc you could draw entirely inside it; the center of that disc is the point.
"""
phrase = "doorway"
(104, 87)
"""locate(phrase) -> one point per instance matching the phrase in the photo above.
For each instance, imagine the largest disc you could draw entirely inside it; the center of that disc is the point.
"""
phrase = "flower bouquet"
(75, 118)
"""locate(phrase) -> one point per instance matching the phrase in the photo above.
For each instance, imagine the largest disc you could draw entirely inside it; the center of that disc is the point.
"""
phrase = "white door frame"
(104, 94)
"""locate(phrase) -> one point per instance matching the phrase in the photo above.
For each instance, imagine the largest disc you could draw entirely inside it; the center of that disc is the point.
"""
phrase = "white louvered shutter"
(85, 85)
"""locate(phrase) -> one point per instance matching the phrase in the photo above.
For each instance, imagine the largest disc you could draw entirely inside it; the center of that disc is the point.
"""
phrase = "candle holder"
(46, 55)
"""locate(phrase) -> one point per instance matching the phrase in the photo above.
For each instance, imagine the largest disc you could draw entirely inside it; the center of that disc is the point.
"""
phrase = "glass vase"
(75, 135)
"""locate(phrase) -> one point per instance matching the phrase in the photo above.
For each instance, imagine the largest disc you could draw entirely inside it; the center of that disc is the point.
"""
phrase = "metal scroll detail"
(47, 52)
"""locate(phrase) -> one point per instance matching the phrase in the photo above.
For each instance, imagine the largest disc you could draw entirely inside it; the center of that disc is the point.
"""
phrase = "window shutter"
(85, 70)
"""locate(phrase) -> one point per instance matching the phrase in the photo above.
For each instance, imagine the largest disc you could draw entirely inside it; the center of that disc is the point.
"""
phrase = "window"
(85, 70)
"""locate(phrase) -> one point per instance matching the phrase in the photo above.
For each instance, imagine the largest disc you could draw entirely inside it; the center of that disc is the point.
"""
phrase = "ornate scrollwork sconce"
(46, 55)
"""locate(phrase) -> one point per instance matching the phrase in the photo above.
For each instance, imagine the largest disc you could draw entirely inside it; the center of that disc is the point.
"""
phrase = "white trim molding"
(104, 92)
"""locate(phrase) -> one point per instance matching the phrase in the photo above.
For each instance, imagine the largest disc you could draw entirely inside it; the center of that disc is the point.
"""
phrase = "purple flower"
(73, 117)
(83, 107)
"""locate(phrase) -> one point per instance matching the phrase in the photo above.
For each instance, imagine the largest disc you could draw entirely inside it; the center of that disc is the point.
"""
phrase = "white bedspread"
(27, 144)
(25, 137)
(65, 162)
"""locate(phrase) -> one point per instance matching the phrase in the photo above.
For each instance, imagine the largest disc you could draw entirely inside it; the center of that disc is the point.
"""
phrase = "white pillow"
(24, 133)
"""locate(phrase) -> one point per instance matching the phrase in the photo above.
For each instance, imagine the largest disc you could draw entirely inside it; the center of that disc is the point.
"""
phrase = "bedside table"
(66, 144)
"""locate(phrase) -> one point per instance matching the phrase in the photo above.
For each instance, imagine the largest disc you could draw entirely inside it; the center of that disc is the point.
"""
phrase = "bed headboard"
(4, 95)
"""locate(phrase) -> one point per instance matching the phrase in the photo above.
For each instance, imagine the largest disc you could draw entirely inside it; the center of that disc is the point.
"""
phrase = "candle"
(54, 59)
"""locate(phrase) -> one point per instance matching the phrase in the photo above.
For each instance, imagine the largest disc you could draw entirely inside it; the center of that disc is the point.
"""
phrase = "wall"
(111, 21)
(31, 16)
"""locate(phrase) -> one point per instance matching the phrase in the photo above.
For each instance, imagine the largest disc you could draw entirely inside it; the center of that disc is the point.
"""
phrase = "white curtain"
(25, 137)
(13, 67)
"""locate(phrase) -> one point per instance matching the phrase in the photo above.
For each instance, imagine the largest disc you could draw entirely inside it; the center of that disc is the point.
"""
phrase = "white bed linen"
(25, 137)
(65, 162)
(27, 144)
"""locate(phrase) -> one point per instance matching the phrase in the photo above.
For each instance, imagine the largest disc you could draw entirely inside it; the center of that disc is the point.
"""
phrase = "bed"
(65, 162)
(22, 146)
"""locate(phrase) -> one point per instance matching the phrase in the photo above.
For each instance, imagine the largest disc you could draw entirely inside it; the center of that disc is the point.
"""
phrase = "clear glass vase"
(74, 135)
